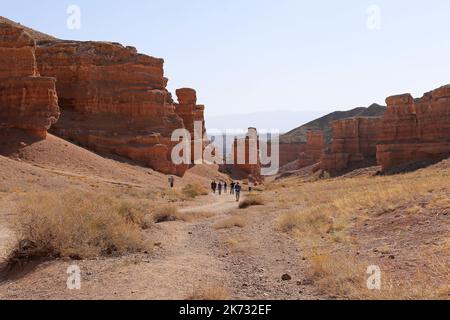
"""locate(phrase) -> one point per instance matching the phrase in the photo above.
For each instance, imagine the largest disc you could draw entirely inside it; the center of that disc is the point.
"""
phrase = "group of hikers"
(222, 187)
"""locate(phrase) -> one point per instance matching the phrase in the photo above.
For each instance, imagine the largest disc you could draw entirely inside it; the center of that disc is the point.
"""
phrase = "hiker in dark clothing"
(220, 186)
(232, 186)
(225, 187)
(171, 181)
(213, 186)
(238, 189)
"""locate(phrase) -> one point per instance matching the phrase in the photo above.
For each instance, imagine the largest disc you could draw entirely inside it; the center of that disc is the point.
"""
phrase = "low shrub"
(76, 225)
(251, 200)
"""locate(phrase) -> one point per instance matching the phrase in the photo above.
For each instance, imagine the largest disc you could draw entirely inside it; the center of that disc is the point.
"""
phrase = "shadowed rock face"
(315, 145)
(303, 154)
(354, 143)
(290, 152)
(114, 100)
(415, 130)
(27, 100)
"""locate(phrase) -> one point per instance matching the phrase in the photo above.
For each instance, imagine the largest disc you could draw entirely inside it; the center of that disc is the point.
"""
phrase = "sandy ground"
(188, 256)
(248, 262)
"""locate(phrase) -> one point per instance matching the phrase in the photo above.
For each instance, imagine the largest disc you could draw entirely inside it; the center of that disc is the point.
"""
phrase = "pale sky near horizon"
(248, 56)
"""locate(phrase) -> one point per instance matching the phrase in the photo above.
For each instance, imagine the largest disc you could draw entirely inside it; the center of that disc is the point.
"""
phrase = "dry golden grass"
(171, 195)
(78, 225)
(168, 213)
(322, 213)
(251, 200)
(237, 245)
(165, 213)
(210, 292)
(194, 216)
(192, 191)
(343, 276)
(329, 206)
(231, 222)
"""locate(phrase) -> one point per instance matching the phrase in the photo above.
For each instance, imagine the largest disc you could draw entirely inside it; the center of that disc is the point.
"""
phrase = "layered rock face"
(354, 144)
(415, 130)
(27, 100)
(315, 145)
(192, 114)
(246, 156)
(115, 100)
(290, 152)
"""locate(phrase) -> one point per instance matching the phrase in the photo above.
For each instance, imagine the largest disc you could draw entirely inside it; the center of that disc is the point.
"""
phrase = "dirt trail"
(219, 205)
(187, 258)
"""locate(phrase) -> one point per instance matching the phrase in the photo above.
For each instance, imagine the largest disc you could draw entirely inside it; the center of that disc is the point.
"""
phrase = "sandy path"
(218, 205)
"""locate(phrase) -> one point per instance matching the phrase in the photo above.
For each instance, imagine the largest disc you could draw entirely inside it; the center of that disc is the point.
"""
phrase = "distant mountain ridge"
(298, 135)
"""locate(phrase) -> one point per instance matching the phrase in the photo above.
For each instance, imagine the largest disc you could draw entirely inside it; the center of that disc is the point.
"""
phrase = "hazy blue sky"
(256, 55)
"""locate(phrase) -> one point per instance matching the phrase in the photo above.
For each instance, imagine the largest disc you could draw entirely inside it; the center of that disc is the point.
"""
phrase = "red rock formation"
(27, 101)
(290, 152)
(354, 144)
(415, 130)
(115, 100)
(246, 156)
(192, 113)
(315, 145)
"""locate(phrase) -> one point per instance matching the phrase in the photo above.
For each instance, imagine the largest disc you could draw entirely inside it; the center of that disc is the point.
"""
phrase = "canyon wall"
(114, 100)
(315, 145)
(415, 130)
(290, 152)
(27, 100)
(192, 115)
(246, 157)
(354, 144)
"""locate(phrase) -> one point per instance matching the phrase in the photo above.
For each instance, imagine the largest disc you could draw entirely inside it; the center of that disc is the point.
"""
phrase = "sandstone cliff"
(415, 130)
(315, 145)
(192, 114)
(290, 152)
(114, 100)
(302, 155)
(354, 144)
(246, 157)
(298, 135)
(27, 100)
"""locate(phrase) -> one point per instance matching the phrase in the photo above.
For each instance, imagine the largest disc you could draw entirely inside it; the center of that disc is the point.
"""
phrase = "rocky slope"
(27, 100)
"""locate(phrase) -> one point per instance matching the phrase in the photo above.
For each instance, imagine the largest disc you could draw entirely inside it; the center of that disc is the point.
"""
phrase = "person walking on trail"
(237, 190)
(220, 186)
(213, 186)
(225, 187)
(232, 186)
(171, 181)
